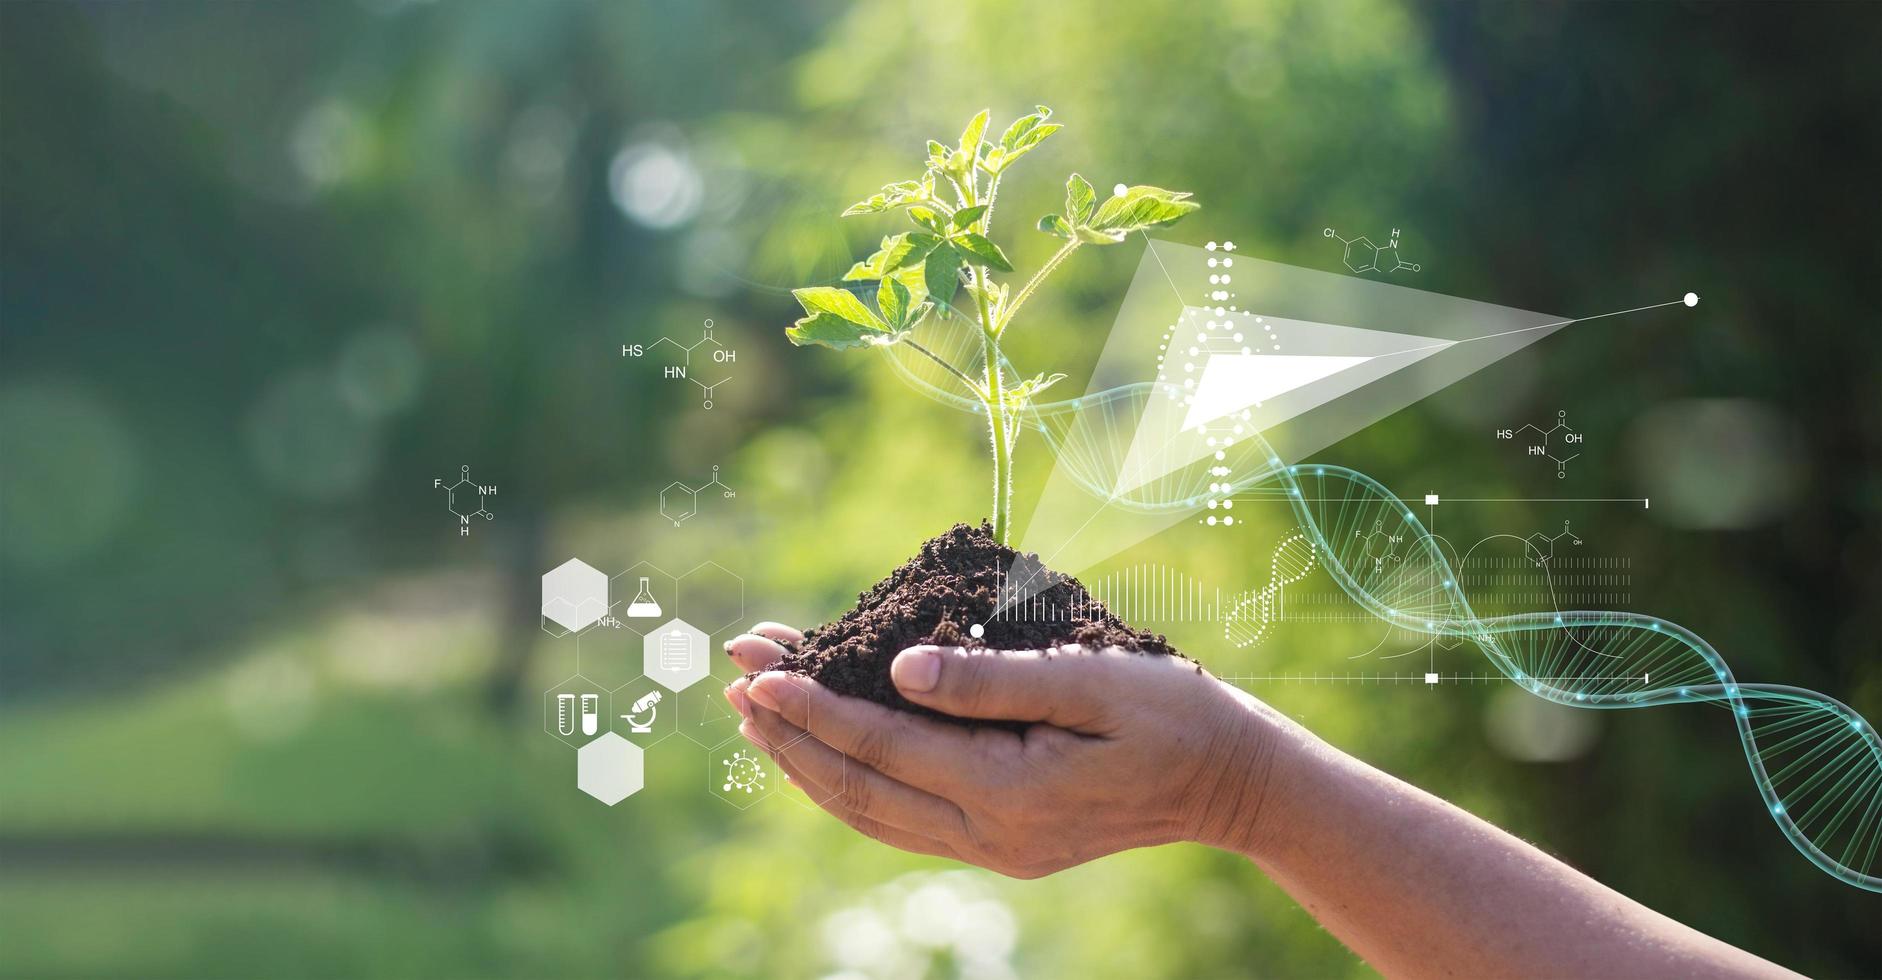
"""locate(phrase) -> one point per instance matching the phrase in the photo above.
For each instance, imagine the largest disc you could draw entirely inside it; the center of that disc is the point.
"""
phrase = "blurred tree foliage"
(267, 271)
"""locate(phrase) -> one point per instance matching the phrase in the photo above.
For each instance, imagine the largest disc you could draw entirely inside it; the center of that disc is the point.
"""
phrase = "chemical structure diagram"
(1550, 441)
(1380, 546)
(679, 501)
(460, 495)
(1541, 547)
(707, 347)
(1363, 256)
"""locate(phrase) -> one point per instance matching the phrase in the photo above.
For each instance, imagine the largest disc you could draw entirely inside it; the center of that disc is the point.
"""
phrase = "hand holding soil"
(1110, 749)
(1145, 748)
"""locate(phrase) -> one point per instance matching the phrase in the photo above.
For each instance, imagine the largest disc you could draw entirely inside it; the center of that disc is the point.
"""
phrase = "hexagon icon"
(741, 775)
(711, 597)
(574, 595)
(609, 768)
(704, 716)
(644, 596)
(676, 655)
(645, 713)
(576, 710)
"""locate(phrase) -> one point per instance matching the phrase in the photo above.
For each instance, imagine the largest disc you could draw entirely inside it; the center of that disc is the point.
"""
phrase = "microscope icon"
(641, 715)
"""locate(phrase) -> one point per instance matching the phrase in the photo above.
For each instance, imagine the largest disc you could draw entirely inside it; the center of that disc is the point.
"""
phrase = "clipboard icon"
(676, 650)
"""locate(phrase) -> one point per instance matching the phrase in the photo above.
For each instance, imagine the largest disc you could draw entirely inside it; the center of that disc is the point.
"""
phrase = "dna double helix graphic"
(1248, 621)
(1816, 763)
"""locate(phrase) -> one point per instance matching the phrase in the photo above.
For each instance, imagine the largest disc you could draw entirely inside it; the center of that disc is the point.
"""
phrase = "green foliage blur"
(268, 271)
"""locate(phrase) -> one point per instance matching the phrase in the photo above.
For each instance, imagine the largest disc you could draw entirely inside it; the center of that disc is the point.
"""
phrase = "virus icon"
(743, 772)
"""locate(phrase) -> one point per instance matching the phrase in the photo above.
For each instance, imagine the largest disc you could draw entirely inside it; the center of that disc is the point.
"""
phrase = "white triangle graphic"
(1171, 433)
(1232, 382)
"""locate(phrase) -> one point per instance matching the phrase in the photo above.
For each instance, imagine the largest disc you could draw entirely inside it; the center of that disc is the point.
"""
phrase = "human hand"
(1126, 750)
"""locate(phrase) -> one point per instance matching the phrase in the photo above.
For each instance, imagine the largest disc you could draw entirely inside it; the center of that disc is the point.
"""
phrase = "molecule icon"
(465, 500)
(1379, 545)
(1558, 443)
(1363, 256)
(1541, 547)
(711, 352)
(679, 501)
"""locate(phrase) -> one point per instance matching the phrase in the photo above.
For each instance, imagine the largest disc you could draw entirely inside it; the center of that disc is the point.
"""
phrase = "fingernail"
(737, 697)
(916, 669)
(760, 692)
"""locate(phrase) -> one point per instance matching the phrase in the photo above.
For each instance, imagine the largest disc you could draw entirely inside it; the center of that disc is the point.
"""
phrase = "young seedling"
(918, 272)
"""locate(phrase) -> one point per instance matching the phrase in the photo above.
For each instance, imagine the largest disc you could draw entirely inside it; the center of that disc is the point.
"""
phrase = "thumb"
(1068, 687)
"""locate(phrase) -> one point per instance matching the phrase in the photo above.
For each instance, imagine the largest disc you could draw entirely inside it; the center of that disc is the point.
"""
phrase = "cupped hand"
(1124, 750)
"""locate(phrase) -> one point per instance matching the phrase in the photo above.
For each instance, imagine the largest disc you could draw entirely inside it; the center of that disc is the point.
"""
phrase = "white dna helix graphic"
(1248, 621)
(1817, 763)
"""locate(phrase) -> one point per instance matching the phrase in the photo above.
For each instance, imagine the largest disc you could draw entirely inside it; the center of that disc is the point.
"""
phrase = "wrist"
(1243, 805)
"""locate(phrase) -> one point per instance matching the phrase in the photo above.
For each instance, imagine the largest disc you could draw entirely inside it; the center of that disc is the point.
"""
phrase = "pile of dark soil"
(938, 596)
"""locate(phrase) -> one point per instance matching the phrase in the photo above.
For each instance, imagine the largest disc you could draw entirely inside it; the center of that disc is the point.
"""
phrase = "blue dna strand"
(1817, 764)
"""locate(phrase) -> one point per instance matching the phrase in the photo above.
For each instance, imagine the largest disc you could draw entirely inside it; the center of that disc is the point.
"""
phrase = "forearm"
(1418, 887)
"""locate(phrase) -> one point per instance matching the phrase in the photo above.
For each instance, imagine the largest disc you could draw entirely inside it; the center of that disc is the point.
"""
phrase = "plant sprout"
(917, 272)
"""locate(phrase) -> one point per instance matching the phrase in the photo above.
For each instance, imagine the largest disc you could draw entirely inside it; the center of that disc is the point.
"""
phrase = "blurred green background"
(267, 271)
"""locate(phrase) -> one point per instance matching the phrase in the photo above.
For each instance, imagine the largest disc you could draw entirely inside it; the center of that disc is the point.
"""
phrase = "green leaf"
(876, 264)
(1019, 139)
(1036, 137)
(837, 302)
(1091, 236)
(926, 217)
(872, 204)
(915, 276)
(1079, 198)
(981, 248)
(832, 331)
(1022, 394)
(1055, 226)
(941, 272)
(919, 242)
(1139, 208)
(914, 320)
(1023, 125)
(893, 299)
(967, 216)
(970, 137)
(896, 251)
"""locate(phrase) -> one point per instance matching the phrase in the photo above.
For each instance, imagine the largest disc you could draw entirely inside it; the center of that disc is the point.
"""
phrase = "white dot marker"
(1118, 190)
(976, 631)
(1692, 299)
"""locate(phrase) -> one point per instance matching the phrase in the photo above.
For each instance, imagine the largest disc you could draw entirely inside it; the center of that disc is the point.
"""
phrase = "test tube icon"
(591, 713)
(565, 714)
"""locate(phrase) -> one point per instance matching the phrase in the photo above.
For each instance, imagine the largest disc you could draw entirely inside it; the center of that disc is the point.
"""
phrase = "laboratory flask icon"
(643, 606)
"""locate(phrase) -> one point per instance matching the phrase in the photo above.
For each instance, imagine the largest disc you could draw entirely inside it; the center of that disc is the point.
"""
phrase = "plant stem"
(993, 194)
(1002, 455)
(996, 412)
(1025, 291)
